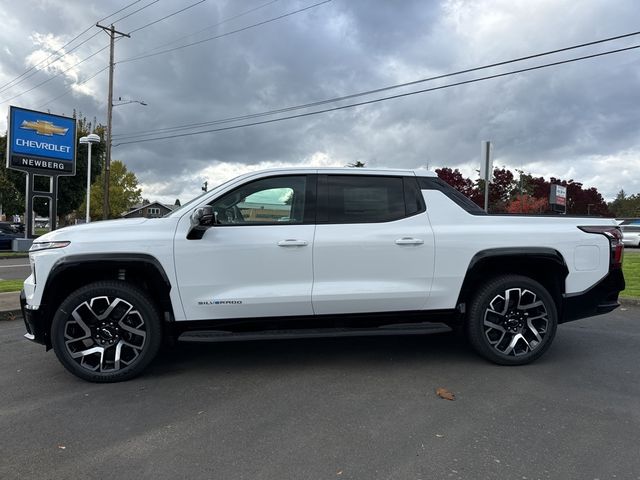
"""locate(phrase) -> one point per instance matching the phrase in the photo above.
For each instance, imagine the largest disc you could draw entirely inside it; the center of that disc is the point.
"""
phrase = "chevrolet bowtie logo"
(42, 127)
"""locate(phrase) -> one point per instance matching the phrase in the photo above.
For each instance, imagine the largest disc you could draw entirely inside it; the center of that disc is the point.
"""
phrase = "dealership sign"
(41, 143)
(558, 198)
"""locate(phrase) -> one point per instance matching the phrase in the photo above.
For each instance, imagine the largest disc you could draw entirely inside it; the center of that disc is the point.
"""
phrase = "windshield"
(185, 206)
(178, 212)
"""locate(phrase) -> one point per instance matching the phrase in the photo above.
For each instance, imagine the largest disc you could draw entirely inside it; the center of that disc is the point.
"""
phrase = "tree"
(12, 185)
(72, 191)
(625, 206)
(527, 204)
(456, 180)
(123, 192)
(500, 191)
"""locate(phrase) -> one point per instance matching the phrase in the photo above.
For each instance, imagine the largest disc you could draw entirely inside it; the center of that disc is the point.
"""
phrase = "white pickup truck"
(316, 252)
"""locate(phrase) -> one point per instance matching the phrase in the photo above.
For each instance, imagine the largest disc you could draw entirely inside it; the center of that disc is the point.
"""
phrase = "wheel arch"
(74, 271)
(544, 265)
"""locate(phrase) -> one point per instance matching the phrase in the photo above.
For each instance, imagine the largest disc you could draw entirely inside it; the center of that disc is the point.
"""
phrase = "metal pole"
(486, 173)
(88, 219)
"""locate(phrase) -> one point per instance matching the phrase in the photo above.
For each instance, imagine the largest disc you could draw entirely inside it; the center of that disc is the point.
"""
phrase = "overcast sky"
(579, 120)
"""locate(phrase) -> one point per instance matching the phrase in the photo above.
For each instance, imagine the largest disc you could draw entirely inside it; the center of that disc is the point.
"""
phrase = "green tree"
(12, 185)
(123, 192)
(72, 191)
(625, 205)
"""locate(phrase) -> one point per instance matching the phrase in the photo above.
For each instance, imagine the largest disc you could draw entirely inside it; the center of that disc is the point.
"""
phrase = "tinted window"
(275, 200)
(364, 199)
(434, 183)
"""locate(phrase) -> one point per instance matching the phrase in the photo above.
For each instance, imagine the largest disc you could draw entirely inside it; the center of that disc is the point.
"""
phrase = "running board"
(226, 336)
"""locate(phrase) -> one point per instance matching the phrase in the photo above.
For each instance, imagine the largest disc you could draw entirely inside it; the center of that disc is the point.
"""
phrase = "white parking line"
(14, 266)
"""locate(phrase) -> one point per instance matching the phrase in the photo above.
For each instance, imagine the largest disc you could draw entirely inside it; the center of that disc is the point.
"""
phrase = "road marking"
(14, 266)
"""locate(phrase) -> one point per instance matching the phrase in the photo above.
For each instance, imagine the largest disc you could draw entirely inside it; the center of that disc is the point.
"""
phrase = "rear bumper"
(34, 322)
(599, 299)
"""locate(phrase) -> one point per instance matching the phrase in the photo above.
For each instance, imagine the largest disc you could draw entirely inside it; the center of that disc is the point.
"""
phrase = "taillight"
(615, 241)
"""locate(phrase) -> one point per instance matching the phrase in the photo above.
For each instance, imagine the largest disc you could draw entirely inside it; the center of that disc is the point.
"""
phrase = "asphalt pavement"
(14, 268)
(332, 409)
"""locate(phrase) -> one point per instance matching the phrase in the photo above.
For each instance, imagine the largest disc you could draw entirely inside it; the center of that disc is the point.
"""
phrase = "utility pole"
(113, 33)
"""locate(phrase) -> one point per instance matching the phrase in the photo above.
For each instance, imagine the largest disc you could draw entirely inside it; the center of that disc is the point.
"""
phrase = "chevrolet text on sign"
(41, 142)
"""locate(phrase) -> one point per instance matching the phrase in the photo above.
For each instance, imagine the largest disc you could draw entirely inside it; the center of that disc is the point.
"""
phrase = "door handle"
(409, 241)
(292, 243)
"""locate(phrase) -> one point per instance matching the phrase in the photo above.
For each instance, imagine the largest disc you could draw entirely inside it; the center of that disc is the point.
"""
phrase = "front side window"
(275, 200)
(364, 199)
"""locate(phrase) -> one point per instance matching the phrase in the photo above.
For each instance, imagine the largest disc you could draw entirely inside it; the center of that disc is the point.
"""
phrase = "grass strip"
(10, 285)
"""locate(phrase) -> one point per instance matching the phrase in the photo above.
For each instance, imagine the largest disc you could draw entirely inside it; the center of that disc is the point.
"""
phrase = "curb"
(633, 301)
(9, 315)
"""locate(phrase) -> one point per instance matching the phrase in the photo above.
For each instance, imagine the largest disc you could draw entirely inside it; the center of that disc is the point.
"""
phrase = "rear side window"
(364, 199)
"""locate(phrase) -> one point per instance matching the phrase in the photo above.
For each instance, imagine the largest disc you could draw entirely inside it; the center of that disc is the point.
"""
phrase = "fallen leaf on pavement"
(446, 394)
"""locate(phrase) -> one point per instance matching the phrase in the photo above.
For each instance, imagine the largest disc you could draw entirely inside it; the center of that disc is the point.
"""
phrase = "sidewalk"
(10, 306)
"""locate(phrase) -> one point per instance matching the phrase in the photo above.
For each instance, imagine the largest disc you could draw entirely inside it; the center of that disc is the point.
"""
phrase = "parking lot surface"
(339, 408)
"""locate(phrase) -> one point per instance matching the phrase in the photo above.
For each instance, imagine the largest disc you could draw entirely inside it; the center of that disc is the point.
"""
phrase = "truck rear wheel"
(106, 332)
(512, 320)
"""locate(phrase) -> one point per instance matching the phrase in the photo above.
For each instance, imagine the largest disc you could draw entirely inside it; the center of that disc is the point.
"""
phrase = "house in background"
(150, 210)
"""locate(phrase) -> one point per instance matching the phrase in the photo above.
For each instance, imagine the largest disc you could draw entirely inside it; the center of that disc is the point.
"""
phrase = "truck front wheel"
(512, 320)
(106, 331)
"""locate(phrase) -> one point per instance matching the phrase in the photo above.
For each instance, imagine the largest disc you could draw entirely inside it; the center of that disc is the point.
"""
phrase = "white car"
(316, 252)
(630, 235)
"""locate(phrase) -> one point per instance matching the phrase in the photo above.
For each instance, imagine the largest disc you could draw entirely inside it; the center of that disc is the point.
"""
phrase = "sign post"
(486, 170)
(41, 144)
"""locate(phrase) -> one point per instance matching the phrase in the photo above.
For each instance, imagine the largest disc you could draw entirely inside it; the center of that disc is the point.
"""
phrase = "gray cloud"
(579, 120)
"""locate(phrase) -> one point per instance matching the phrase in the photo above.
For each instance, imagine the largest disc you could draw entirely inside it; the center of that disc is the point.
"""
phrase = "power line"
(55, 76)
(167, 16)
(81, 61)
(32, 74)
(370, 92)
(118, 11)
(61, 49)
(140, 57)
(68, 90)
(216, 24)
(134, 12)
(377, 100)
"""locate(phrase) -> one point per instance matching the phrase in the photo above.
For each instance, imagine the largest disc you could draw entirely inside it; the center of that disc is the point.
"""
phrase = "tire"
(107, 331)
(516, 331)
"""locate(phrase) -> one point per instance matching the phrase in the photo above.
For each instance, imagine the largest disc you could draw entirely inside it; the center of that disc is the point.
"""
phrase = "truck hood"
(100, 229)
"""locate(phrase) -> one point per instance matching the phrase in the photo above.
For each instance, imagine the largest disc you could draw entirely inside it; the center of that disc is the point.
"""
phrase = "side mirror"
(202, 216)
(201, 219)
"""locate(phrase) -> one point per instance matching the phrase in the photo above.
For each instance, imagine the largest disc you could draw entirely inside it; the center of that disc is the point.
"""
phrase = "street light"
(126, 102)
(89, 139)
(107, 160)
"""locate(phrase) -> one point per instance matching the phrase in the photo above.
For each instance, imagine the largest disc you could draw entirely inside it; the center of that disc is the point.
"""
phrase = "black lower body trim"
(599, 299)
(34, 322)
(347, 322)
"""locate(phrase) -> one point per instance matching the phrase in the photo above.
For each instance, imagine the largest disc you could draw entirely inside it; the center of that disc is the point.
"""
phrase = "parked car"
(312, 252)
(630, 235)
(7, 234)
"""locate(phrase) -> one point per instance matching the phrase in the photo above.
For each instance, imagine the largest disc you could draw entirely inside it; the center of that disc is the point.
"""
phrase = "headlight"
(37, 246)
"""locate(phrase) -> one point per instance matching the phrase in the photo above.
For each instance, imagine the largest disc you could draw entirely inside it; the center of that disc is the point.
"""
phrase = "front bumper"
(38, 329)
(599, 299)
